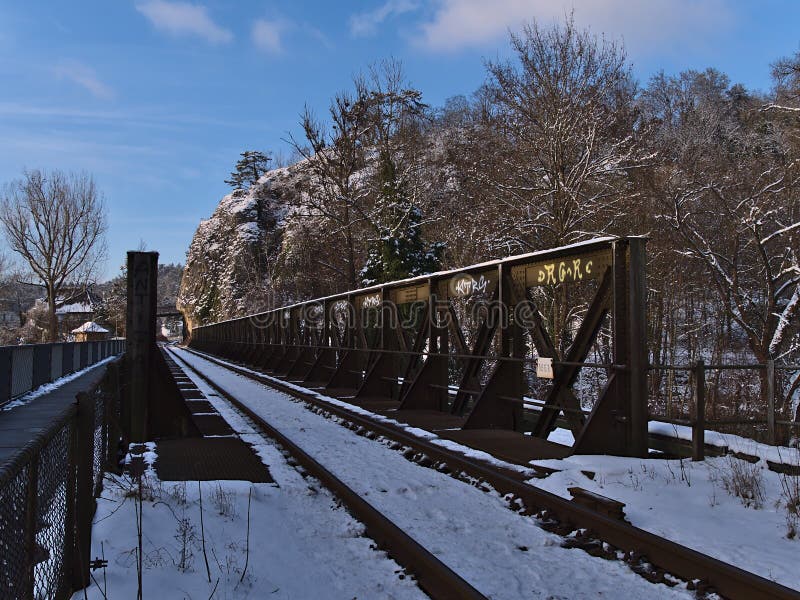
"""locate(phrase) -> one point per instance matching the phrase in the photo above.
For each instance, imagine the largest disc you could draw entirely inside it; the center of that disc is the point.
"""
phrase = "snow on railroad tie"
(501, 553)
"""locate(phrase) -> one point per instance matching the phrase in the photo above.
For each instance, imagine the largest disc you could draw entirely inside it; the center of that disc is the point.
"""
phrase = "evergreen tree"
(400, 251)
(249, 169)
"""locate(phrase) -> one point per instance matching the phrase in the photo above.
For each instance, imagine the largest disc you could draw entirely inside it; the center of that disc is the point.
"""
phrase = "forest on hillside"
(559, 145)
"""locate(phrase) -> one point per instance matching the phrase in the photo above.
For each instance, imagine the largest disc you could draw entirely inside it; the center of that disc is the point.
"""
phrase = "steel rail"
(432, 575)
(725, 579)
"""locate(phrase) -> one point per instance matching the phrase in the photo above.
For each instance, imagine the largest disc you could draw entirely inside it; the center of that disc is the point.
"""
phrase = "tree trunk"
(351, 258)
(51, 306)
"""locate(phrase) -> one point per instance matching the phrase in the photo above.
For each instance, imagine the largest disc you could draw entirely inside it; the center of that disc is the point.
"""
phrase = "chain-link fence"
(47, 496)
(25, 368)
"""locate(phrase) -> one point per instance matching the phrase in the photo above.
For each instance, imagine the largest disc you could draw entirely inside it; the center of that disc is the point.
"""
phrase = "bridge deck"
(220, 454)
(21, 424)
(511, 446)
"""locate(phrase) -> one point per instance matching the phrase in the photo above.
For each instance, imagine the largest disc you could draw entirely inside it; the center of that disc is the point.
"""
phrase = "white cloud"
(645, 26)
(367, 23)
(266, 36)
(85, 77)
(183, 18)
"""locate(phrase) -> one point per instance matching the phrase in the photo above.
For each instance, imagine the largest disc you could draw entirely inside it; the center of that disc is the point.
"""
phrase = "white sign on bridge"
(544, 367)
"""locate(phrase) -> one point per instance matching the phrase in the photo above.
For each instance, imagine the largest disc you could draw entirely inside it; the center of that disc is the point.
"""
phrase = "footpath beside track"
(654, 557)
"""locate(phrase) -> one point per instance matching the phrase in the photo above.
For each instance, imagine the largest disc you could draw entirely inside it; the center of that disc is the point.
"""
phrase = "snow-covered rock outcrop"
(228, 256)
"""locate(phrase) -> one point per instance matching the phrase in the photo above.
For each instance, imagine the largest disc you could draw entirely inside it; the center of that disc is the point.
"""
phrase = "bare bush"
(224, 502)
(790, 495)
(186, 536)
(745, 481)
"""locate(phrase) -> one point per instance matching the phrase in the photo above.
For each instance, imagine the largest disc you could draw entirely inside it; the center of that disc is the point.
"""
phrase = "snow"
(49, 387)
(731, 443)
(429, 436)
(78, 307)
(90, 327)
(687, 502)
(302, 545)
(502, 553)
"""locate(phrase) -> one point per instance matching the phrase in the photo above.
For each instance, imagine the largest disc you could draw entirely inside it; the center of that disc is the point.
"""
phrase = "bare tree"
(786, 74)
(729, 176)
(370, 147)
(561, 122)
(56, 222)
(334, 157)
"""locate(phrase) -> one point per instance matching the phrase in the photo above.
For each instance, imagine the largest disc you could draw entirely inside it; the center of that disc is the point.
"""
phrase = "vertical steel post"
(699, 423)
(616, 434)
(637, 347)
(6, 376)
(84, 488)
(141, 334)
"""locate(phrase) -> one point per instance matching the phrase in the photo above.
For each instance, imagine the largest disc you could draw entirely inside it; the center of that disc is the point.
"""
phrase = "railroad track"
(433, 576)
(656, 558)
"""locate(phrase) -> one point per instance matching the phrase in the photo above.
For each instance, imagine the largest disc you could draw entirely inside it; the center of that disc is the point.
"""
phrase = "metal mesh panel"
(41, 364)
(51, 516)
(21, 371)
(56, 359)
(99, 440)
(13, 571)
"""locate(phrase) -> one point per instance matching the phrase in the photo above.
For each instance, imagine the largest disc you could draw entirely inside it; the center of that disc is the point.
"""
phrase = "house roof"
(90, 327)
(74, 300)
(78, 307)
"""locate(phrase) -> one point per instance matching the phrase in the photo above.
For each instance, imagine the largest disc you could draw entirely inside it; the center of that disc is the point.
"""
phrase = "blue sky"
(157, 98)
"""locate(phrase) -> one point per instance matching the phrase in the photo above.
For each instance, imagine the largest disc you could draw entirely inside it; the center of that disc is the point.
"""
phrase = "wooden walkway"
(21, 425)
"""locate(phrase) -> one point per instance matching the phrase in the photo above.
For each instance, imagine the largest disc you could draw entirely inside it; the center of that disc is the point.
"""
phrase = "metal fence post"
(84, 457)
(111, 396)
(5, 374)
(771, 433)
(699, 423)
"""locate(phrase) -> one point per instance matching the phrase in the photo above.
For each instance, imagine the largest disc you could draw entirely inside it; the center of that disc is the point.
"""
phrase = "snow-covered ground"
(501, 553)
(731, 443)
(688, 503)
(302, 545)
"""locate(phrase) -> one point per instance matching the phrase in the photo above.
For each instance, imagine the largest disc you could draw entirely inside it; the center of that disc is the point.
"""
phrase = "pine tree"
(249, 169)
(400, 251)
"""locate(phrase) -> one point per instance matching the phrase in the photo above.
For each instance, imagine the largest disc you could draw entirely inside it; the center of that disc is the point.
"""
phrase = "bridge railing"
(28, 367)
(47, 496)
(750, 400)
(474, 342)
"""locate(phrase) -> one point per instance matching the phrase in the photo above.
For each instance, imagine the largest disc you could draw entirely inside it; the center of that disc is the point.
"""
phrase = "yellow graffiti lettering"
(541, 276)
(576, 269)
(550, 273)
(588, 267)
(562, 271)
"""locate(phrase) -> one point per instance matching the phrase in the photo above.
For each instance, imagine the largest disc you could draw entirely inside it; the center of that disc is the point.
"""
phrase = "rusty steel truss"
(461, 344)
